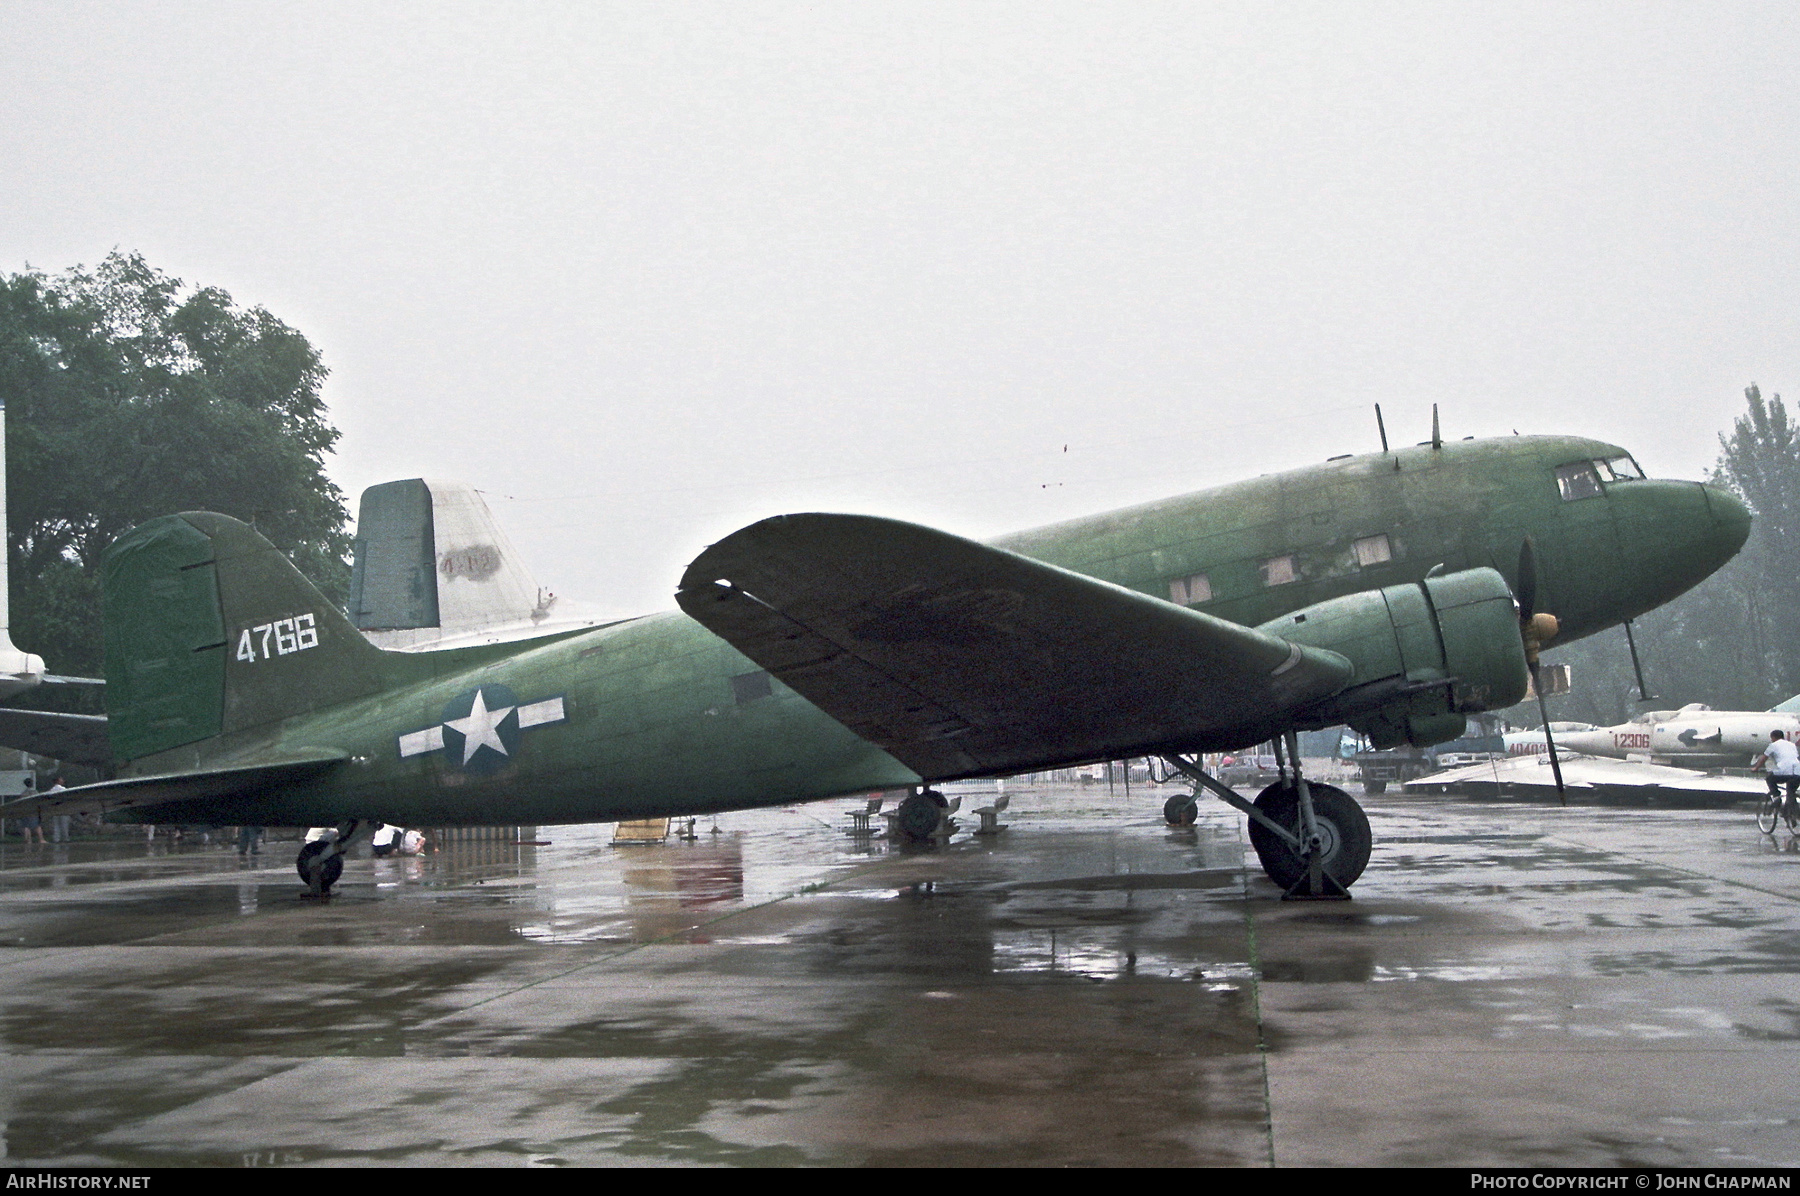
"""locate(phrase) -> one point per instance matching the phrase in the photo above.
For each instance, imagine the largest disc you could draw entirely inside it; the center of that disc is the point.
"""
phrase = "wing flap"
(876, 705)
(960, 659)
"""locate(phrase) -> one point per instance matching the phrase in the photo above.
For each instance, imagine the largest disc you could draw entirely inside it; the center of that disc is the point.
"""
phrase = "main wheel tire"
(1181, 810)
(1374, 786)
(920, 814)
(1767, 814)
(334, 867)
(1342, 825)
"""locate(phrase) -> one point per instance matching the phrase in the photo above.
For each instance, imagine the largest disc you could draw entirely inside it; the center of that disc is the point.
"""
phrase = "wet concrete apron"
(1513, 984)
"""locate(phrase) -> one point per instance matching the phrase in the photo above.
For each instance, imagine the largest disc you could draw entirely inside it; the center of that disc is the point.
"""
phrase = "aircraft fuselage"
(1607, 550)
(658, 716)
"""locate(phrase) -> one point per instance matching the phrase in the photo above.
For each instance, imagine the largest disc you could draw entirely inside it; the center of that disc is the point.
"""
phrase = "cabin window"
(1620, 469)
(1279, 570)
(1578, 481)
(747, 687)
(1373, 550)
(1185, 591)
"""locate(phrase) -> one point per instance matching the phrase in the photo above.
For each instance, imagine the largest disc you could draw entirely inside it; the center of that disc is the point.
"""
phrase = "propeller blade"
(1526, 591)
(1535, 629)
(1562, 796)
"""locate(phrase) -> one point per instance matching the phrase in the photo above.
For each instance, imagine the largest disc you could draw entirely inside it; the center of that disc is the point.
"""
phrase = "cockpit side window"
(1578, 481)
(1619, 469)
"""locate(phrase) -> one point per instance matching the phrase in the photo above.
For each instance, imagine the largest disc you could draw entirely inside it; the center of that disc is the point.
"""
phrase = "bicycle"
(1773, 808)
(1768, 812)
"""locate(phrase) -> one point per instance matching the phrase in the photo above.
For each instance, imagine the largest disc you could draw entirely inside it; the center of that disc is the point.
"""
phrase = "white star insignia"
(481, 727)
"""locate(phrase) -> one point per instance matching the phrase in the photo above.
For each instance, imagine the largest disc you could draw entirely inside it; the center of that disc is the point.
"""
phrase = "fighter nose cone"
(1731, 518)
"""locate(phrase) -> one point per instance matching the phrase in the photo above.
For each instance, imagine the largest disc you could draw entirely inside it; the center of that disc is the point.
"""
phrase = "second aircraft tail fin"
(434, 567)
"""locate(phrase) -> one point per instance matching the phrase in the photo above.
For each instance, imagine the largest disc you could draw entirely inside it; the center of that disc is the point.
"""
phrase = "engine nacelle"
(1426, 654)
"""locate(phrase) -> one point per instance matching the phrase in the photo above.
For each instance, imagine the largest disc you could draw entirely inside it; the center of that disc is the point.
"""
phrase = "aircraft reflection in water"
(664, 889)
(822, 655)
(646, 893)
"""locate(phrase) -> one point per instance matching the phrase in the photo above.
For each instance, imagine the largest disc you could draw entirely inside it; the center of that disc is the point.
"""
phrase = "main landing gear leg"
(321, 862)
(1314, 847)
(1315, 883)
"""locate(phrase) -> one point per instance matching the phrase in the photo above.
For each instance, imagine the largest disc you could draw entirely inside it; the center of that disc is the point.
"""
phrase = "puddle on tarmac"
(783, 992)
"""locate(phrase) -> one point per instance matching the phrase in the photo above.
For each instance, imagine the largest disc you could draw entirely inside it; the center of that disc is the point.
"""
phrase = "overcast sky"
(645, 273)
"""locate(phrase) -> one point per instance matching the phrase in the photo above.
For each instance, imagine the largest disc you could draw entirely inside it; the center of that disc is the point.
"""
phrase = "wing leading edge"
(959, 659)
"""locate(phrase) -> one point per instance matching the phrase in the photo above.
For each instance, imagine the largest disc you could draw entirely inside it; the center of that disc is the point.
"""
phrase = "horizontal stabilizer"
(959, 659)
(71, 738)
(227, 780)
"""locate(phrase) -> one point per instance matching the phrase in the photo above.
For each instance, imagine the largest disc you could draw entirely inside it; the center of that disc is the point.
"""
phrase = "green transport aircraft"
(819, 655)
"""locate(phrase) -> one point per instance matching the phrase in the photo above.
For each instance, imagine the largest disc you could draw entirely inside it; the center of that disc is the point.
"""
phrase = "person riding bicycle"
(1783, 759)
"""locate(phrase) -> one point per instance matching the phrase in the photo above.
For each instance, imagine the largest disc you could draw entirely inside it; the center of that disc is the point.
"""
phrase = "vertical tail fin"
(433, 567)
(211, 630)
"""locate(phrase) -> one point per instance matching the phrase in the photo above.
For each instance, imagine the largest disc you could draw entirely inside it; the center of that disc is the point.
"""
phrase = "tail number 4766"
(279, 638)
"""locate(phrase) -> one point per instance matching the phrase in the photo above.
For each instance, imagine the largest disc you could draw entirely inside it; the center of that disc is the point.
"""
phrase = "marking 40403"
(280, 638)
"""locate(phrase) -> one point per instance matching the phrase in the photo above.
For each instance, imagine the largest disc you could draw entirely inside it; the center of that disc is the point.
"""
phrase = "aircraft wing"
(959, 659)
(227, 780)
(72, 738)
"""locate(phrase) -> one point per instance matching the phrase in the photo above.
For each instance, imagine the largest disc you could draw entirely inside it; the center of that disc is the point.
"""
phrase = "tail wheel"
(1343, 829)
(1181, 810)
(334, 867)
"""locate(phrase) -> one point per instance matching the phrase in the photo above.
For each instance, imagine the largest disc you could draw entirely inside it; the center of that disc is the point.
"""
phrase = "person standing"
(1783, 759)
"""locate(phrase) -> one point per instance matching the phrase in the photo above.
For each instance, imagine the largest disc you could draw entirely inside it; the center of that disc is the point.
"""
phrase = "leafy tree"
(128, 398)
(1733, 642)
(1761, 461)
